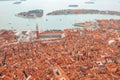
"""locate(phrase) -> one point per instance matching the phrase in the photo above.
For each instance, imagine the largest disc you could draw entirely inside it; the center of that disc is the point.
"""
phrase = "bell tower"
(37, 32)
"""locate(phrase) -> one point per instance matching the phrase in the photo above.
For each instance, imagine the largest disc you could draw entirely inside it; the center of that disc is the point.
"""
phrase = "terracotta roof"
(82, 54)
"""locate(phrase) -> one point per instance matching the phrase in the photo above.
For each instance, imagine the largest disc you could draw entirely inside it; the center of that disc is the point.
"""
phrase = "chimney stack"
(37, 32)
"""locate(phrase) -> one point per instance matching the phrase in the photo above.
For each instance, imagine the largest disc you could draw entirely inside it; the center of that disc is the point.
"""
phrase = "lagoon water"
(8, 20)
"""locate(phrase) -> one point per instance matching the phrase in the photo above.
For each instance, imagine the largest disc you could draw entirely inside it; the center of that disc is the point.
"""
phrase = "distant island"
(89, 2)
(73, 5)
(7, 0)
(82, 11)
(31, 14)
(23, 0)
(17, 2)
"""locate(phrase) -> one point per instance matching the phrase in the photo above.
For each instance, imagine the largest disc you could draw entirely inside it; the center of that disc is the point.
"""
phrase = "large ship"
(31, 14)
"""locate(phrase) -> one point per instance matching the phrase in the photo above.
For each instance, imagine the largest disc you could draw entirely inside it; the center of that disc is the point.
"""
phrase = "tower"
(37, 32)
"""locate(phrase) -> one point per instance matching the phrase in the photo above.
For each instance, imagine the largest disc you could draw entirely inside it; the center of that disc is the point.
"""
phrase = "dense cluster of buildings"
(82, 54)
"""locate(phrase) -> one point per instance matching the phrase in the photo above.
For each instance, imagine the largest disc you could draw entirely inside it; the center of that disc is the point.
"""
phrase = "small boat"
(9, 23)
(46, 19)
(17, 3)
(60, 19)
(73, 5)
(27, 25)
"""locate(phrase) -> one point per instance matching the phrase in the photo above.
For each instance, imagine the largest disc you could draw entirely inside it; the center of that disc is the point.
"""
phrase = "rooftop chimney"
(37, 32)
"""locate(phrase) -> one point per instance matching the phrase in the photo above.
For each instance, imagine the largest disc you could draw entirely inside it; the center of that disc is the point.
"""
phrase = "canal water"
(8, 20)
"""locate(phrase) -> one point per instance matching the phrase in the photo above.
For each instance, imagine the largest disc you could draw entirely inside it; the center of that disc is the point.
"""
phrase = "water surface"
(8, 20)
